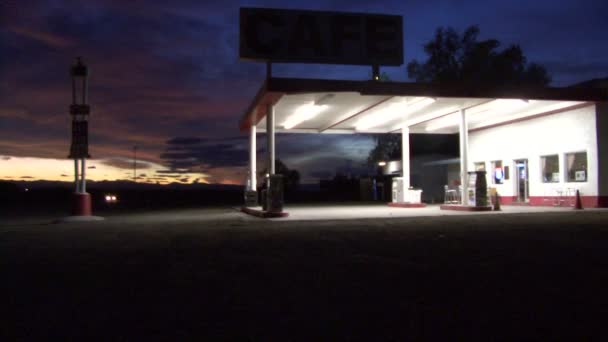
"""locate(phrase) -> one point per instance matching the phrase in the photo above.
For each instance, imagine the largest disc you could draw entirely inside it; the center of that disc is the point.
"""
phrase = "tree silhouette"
(291, 178)
(388, 147)
(453, 58)
(464, 60)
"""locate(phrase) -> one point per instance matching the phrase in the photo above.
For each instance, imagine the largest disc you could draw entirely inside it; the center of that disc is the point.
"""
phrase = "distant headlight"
(111, 198)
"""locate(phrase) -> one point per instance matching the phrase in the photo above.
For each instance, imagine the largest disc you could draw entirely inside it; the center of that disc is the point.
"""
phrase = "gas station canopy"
(338, 106)
(320, 106)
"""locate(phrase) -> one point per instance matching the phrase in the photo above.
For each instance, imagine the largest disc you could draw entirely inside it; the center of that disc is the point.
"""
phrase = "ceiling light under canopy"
(394, 111)
(303, 113)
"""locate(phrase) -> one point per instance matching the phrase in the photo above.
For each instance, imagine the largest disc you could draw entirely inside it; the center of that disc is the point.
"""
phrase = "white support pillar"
(405, 159)
(83, 186)
(464, 157)
(270, 138)
(76, 178)
(252, 159)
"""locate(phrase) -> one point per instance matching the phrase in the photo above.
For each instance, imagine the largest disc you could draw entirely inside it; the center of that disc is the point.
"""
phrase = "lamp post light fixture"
(79, 148)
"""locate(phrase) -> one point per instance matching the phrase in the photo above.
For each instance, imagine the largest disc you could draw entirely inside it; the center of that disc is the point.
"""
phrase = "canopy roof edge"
(273, 89)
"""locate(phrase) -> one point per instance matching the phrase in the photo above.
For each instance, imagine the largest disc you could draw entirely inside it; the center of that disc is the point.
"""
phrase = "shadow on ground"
(219, 274)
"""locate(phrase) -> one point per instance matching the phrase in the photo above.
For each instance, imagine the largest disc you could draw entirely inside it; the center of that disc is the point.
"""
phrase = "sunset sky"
(165, 76)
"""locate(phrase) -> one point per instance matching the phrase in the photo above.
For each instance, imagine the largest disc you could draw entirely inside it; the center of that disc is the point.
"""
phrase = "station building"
(538, 146)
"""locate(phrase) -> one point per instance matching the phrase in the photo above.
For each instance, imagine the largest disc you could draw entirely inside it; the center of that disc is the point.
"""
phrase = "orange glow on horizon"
(50, 169)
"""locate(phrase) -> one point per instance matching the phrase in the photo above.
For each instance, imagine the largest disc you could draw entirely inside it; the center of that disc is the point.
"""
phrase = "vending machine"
(471, 190)
(398, 190)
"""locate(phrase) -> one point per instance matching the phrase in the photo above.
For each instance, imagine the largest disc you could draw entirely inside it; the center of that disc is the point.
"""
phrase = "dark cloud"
(324, 166)
(173, 176)
(92, 167)
(5, 158)
(321, 174)
(64, 175)
(125, 163)
(204, 154)
(175, 162)
(26, 177)
(303, 152)
(172, 173)
(183, 141)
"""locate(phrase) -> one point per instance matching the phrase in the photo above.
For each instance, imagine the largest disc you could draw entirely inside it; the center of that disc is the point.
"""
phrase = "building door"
(521, 180)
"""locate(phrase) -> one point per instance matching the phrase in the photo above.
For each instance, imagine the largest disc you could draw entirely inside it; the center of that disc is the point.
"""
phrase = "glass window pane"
(550, 168)
(497, 172)
(577, 167)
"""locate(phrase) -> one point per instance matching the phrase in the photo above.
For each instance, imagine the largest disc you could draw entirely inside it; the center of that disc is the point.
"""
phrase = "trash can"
(478, 189)
(481, 189)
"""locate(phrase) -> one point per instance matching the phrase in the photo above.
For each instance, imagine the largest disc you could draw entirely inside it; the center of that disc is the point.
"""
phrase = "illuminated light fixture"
(341, 119)
(494, 107)
(502, 106)
(382, 163)
(498, 106)
(427, 117)
(303, 113)
(394, 111)
(548, 108)
(445, 122)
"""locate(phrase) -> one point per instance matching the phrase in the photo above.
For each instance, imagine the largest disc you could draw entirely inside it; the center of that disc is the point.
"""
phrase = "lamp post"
(135, 164)
(79, 149)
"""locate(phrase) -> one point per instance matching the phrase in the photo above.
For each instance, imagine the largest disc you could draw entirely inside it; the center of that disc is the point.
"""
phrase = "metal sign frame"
(297, 36)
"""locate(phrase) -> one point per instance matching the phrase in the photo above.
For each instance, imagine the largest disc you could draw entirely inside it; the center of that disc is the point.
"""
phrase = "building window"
(480, 166)
(576, 163)
(550, 168)
(498, 173)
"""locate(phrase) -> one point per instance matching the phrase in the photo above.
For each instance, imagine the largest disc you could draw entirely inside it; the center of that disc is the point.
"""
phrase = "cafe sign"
(295, 36)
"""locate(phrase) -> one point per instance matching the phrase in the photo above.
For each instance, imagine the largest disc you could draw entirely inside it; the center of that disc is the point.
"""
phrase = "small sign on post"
(80, 132)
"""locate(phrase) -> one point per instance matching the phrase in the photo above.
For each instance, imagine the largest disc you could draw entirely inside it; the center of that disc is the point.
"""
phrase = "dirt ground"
(220, 274)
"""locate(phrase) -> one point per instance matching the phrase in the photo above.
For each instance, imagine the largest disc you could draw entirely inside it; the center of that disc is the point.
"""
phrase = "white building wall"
(602, 136)
(561, 133)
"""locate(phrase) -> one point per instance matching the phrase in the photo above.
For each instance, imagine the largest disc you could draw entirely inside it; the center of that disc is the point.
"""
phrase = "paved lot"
(221, 274)
(365, 211)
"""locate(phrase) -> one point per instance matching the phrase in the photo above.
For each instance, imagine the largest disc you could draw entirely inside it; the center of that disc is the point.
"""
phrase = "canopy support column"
(464, 157)
(270, 138)
(252, 159)
(274, 195)
(83, 185)
(76, 176)
(405, 158)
